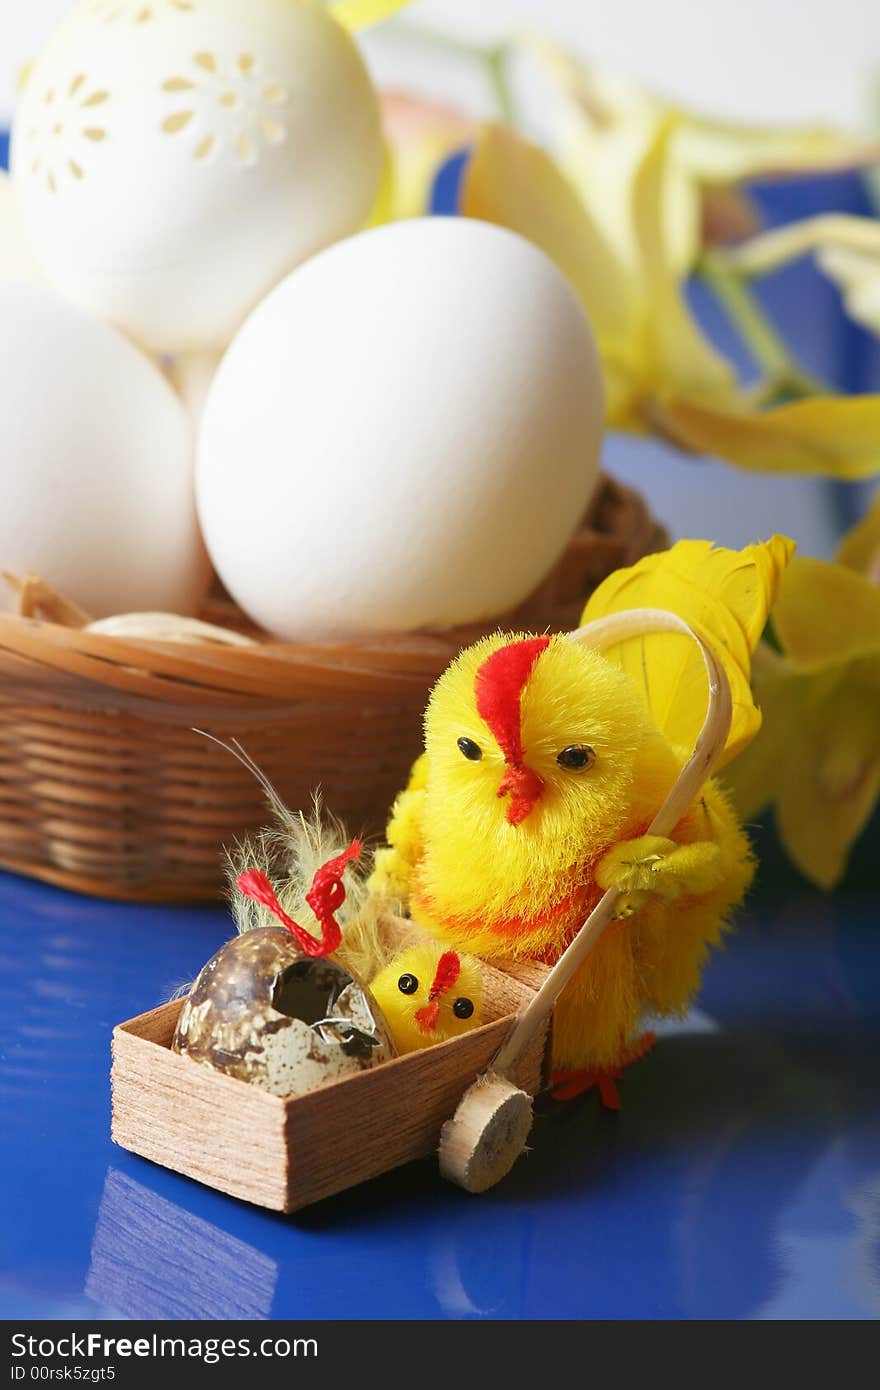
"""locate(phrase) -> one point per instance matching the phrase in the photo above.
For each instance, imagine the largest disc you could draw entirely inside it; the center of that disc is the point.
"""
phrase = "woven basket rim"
(39, 649)
(108, 790)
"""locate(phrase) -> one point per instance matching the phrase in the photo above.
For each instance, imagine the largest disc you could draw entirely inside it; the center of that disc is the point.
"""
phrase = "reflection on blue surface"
(741, 1179)
(136, 1263)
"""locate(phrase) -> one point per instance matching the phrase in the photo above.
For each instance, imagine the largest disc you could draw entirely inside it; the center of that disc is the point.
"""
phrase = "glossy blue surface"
(741, 1179)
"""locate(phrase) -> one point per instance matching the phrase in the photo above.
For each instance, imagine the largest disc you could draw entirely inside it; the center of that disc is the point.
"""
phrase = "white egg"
(95, 463)
(175, 158)
(15, 253)
(404, 434)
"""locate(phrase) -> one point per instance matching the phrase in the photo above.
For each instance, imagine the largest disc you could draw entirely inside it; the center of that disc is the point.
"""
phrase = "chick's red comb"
(325, 897)
(445, 977)
(499, 685)
(446, 974)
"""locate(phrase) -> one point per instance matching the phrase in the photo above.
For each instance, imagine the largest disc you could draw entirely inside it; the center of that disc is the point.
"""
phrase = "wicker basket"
(106, 790)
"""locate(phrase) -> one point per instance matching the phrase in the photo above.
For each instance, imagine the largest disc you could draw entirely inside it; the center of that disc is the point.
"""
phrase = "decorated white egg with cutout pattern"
(174, 159)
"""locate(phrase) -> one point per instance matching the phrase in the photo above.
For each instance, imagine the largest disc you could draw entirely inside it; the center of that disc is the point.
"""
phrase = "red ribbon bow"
(325, 897)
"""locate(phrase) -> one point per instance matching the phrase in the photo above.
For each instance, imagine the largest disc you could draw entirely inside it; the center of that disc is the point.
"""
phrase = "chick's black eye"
(463, 1008)
(407, 984)
(472, 751)
(576, 757)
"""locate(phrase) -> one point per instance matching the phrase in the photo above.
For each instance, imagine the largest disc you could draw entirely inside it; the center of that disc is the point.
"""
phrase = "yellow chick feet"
(655, 865)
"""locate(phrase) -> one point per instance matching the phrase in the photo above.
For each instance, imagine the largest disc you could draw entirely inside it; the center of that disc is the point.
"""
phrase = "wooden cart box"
(285, 1154)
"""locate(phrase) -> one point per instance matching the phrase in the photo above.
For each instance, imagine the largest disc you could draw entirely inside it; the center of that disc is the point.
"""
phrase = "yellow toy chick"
(545, 763)
(428, 995)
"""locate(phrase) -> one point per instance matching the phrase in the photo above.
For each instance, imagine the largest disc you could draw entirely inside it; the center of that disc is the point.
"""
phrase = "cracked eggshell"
(173, 159)
(236, 1020)
(95, 463)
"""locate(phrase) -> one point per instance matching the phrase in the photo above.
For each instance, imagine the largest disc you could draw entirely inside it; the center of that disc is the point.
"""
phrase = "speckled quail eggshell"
(405, 433)
(175, 158)
(229, 1020)
(95, 463)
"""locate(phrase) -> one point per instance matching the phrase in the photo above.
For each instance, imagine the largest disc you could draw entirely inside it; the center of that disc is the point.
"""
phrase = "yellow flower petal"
(722, 152)
(600, 111)
(857, 276)
(648, 341)
(725, 595)
(755, 776)
(515, 184)
(817, 757)
(746, 581)
(360, 14)
(846, 248)
(778, 247)
(422, 136)
(599, 130)
(831, 780)
(835, 437)
(860, 548)
(826, 615)
(682, 357)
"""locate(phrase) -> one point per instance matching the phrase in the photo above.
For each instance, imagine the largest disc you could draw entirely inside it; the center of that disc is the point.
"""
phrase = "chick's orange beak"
(524, 787)
(427, 1016)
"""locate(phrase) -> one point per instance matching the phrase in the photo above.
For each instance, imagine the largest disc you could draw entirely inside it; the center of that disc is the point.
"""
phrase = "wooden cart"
(469, 1097)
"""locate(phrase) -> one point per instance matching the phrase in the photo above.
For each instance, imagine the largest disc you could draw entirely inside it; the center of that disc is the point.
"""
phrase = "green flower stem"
(785, 379)
(757, 332)
(496, 60)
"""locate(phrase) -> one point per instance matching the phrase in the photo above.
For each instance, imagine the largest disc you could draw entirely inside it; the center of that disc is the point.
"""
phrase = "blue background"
(741, 1179)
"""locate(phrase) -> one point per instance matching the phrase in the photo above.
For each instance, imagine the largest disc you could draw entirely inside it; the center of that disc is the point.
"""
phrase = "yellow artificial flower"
(647, 337)
(860, 548)
(830, 436)
(662, 375)
(816, 759)
(847, 248)
(604, 123)
(362, 14)
(725, 596)
(420, 136)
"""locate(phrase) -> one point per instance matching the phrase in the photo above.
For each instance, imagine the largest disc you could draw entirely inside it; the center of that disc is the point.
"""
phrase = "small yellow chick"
(429, 995)
(544, 765)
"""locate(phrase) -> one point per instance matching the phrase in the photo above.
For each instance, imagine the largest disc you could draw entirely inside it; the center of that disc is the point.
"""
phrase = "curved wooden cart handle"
(490, 1127)
(708, 748)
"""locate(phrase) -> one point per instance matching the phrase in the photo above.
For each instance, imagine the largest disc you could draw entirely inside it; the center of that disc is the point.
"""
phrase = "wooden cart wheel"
(486, 1135)
(481, 1143)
